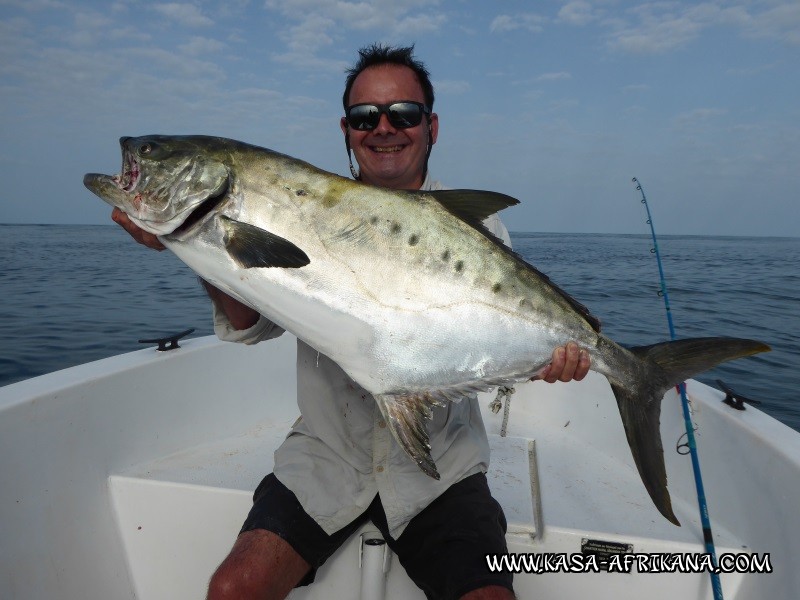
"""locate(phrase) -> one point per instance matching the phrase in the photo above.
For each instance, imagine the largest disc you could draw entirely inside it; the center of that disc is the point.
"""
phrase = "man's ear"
(433, 127)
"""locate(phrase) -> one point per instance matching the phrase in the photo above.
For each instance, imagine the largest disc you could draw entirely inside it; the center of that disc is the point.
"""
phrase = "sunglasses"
(402, 115)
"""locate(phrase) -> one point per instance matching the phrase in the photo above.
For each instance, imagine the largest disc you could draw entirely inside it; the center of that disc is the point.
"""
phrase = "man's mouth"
(387, 149)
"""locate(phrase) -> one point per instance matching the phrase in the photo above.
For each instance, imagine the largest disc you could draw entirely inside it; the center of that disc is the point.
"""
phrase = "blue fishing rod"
(708, 538)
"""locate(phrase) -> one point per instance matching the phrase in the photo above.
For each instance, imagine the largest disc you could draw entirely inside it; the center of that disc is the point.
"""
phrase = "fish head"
(164, 180)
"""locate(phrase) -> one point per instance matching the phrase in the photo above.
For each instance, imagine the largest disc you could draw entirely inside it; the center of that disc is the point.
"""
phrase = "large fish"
(406, 291)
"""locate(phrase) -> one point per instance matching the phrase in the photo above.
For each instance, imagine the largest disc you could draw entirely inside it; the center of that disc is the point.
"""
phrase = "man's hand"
(140, 235)
(569, 363)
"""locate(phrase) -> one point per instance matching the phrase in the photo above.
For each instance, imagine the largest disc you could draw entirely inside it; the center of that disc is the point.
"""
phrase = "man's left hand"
(569, 363)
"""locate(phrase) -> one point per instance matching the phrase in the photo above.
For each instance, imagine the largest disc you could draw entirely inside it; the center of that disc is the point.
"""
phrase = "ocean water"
(76, 293)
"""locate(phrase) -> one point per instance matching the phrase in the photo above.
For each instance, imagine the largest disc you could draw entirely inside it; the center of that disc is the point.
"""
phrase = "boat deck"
(130, 478)
(551, 503)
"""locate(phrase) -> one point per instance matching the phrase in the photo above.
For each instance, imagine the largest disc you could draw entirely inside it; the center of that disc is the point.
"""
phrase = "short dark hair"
(378, 54)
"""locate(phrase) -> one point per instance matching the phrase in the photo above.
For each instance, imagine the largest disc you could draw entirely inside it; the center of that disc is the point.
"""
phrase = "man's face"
(388, 156)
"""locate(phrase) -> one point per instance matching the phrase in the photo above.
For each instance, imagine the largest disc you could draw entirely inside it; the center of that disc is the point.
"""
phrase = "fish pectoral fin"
(253, 247)
(406, 415)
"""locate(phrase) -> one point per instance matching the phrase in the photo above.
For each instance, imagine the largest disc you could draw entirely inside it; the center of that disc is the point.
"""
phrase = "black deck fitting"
(734, 399)
(171, 339)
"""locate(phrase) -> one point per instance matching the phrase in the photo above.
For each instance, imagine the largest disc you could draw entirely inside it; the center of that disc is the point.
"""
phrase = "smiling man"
(340, 466)
(380, 101)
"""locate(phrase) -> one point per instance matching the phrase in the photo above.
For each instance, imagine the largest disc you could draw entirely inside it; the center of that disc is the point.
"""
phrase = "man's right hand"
(140, 235)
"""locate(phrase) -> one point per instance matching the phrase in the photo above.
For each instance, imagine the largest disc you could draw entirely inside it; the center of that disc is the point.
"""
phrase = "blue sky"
(558, 103)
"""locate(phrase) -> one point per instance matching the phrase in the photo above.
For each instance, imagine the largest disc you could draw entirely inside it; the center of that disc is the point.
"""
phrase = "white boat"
(129, 477)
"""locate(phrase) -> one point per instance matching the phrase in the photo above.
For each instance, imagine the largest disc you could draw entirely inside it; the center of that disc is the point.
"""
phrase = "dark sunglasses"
(402, 115)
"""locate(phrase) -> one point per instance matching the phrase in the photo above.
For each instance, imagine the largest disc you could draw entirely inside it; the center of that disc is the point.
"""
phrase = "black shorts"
(442, 549)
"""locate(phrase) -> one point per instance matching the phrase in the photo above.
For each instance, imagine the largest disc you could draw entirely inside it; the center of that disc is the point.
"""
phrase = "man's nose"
(384, 126)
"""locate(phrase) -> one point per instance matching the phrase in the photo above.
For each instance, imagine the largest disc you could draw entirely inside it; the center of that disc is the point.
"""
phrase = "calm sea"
(72, 294)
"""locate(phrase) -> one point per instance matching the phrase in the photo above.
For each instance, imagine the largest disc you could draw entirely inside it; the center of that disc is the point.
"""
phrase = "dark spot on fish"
(374, 220)
(497, 287)
(301, 192)
(395, 227)
(446, 255)
(459, 265)
(412, 241)
(334, 192)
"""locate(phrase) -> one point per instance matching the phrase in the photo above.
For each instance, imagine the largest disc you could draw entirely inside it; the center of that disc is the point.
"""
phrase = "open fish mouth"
(129, 175)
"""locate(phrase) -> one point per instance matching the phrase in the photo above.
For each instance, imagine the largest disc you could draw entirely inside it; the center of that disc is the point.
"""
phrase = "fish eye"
(145, 149)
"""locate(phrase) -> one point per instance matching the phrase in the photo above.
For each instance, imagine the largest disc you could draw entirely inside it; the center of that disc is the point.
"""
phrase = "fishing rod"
(708, 537)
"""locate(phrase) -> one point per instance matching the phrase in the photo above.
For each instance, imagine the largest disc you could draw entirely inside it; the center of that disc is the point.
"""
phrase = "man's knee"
(260, 565)
(224, 584)
(234, 580)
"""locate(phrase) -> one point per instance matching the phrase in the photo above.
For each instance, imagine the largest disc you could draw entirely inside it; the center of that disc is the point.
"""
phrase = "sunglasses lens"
(365, 117)
(405, 114)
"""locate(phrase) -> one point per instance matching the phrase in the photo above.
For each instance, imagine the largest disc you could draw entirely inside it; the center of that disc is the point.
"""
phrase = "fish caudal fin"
(406, 416)
(665, 366)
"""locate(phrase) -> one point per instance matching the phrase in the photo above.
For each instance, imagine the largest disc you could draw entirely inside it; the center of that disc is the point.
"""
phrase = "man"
(340, 464)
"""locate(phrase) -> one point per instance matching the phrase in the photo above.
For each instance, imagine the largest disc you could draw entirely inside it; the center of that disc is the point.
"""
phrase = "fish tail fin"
(666, 365)
(406, 416)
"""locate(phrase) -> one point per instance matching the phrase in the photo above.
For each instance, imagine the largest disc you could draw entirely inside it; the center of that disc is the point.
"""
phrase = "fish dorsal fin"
(472, 206)
(253, 247)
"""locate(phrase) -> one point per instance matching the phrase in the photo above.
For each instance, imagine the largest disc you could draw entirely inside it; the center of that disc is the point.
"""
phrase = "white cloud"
(448, 86)
(419, 24)
(659, 27)
(201, 45)
(578, 13)
(554, 76)
(35, 5)
(698, 115)
(184, 14)
(754, 70)
(657, 30)
(530, 21)
(129, 33)
(318, 24)
(782, 22)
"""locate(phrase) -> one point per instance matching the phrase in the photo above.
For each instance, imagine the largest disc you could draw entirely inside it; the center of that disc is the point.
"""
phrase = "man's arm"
(240, 315)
